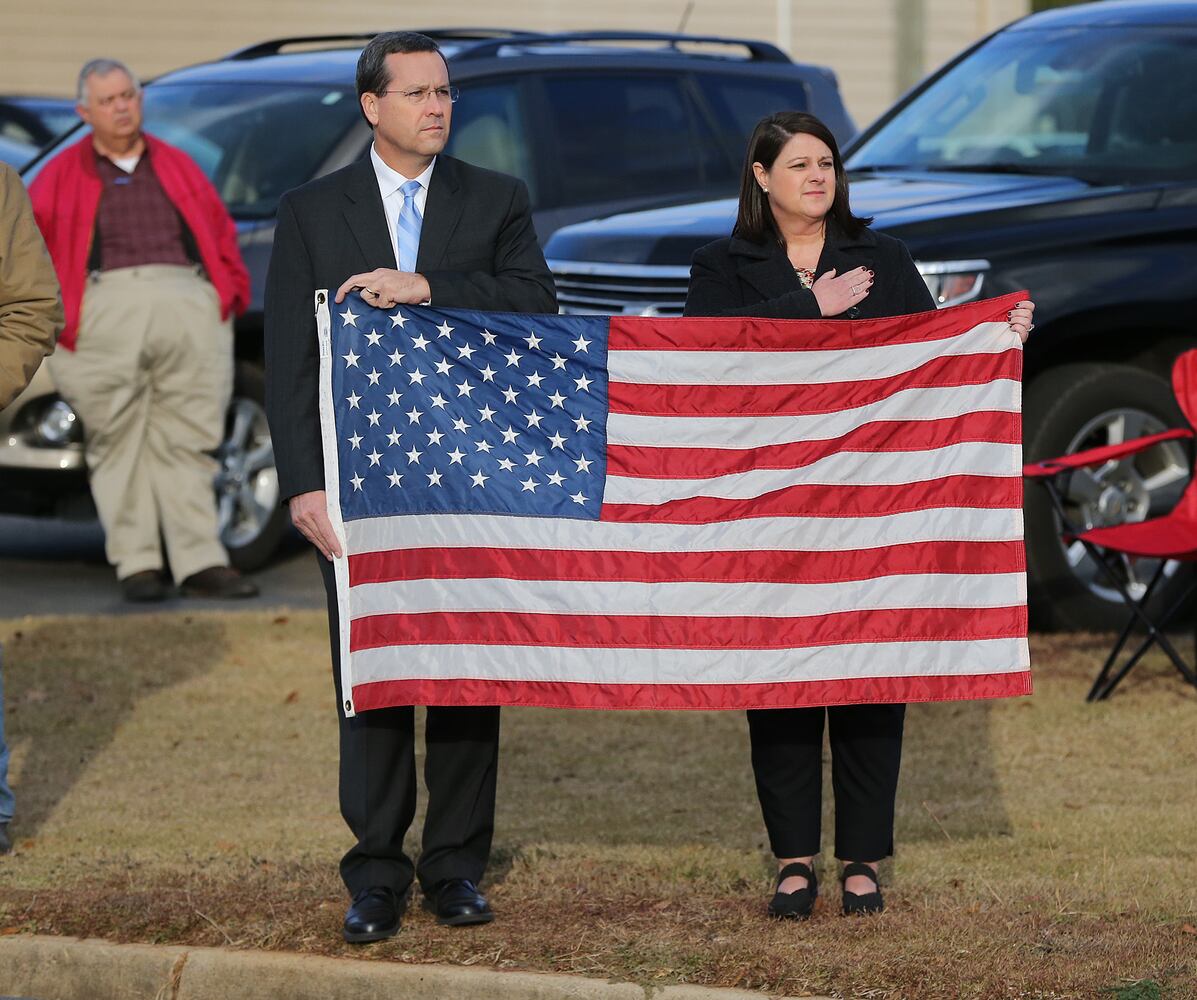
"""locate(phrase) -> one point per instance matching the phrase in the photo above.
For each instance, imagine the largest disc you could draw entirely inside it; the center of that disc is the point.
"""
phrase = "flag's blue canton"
(448, 410)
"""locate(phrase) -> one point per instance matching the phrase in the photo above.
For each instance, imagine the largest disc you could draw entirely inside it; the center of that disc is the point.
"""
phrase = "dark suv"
(1059, 154)
(594, 122)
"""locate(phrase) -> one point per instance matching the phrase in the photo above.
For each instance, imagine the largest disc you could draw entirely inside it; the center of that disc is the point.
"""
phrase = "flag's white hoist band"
(328, 435)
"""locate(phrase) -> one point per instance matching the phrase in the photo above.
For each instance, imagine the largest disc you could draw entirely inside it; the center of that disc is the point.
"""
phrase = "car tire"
(251, 521)
(1071, 408)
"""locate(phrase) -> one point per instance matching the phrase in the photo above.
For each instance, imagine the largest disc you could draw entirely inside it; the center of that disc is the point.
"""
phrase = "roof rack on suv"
(759, 51)
(274, 46)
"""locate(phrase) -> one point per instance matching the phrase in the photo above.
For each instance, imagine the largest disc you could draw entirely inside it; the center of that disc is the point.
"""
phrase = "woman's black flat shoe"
(861, 903)
(795, 905)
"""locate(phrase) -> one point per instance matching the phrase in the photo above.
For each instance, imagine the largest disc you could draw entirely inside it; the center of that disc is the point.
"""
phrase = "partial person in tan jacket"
(30, 300)
(30, 318)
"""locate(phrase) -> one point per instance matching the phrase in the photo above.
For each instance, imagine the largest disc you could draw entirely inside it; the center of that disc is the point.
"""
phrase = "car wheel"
(247, 497)
(1070, 409)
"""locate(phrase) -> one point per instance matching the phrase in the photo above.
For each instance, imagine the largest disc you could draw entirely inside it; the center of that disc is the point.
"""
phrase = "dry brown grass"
(176, 782)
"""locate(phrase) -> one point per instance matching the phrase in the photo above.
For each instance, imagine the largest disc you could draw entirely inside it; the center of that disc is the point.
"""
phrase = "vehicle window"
(489, 129)
(1102, 104)
(255, 142)
(627, 136)
(739, 103)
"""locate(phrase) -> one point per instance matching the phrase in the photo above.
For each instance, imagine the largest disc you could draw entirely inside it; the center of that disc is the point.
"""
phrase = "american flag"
(594, 512)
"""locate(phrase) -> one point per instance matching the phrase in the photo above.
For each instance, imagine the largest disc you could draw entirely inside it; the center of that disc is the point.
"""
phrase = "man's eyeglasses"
(420, 94)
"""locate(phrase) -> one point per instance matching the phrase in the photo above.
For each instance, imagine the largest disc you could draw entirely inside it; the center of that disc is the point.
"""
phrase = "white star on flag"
(350, 359)
(357, 481)
(348, 318)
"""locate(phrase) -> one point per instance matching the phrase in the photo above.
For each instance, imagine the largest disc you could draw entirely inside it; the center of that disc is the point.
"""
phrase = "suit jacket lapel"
(765, 268)
(442, 211)
(366, 217)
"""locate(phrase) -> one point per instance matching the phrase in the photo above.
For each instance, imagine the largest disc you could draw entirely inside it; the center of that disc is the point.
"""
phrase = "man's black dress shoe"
(457, 902)
(374, 915)
(148, 585)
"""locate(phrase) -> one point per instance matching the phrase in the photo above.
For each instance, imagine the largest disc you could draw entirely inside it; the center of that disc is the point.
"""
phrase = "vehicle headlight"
(953, 281)
(58, 424)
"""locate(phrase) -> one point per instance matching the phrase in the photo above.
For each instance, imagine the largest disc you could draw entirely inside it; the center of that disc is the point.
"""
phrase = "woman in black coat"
(798, 252)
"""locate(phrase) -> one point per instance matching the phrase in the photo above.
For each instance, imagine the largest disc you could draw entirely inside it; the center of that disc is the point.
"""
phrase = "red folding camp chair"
(1168, 537)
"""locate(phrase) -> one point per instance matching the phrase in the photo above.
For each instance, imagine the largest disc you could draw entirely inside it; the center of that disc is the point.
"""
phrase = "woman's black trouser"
(787, 760)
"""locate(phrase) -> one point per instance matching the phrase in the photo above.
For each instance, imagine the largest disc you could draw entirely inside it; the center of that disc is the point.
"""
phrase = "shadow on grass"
(677, 778)
(949, 786)
(67, 691)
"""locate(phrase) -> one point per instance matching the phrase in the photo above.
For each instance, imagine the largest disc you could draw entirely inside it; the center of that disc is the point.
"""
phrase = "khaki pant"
(151, 378)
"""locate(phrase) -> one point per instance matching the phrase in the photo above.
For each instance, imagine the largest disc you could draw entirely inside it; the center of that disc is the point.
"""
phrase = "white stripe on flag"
(692, 666)
(1000, 395)
(785, 534)
(689, 598)
(800, 367)
(846, 469)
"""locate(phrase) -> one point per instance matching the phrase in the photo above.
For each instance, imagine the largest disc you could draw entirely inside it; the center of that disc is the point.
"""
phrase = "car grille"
(620, 289)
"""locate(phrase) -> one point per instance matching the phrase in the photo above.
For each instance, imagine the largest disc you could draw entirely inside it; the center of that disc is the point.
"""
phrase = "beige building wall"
(876, 47)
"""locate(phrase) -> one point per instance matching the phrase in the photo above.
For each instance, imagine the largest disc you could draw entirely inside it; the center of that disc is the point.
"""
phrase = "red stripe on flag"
(714, 697)
(700, 333)
(830, 501)
(469, 563)
(511, 628)
(794, 400)
(879, 436)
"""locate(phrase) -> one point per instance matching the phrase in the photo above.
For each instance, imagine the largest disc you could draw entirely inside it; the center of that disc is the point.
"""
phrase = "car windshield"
(254, 141)
(1106, 106)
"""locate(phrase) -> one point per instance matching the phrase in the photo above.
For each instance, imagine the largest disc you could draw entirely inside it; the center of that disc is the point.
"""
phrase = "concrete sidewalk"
(56, 968)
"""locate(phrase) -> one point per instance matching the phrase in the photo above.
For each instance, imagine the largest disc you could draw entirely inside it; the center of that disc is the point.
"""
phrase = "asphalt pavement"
(57, 567)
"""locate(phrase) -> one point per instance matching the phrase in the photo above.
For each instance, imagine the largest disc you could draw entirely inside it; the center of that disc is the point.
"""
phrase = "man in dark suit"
(408, 225)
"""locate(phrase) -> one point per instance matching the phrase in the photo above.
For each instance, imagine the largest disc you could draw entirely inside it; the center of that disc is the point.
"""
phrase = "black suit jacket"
(478, 250)
(735, 277)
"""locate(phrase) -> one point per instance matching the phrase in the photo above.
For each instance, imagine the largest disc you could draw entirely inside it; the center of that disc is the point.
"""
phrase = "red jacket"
(66, 197)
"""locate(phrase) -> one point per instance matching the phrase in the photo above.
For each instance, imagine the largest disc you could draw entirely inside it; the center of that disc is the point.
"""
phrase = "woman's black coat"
(735, 277)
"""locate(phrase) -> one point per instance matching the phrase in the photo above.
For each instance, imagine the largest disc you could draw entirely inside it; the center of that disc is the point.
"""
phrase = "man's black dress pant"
(378, 786)
(787, 761)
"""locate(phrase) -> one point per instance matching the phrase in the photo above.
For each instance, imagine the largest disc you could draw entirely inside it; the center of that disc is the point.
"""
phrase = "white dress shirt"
(389, 183)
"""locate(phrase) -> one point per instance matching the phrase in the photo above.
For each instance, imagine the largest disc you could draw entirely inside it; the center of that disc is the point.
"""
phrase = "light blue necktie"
(408, 228)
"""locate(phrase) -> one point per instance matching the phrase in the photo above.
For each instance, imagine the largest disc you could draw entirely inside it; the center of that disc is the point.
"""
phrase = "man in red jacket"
(151, 277)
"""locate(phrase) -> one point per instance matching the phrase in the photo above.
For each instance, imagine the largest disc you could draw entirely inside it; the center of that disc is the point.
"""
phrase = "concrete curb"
(58, 968)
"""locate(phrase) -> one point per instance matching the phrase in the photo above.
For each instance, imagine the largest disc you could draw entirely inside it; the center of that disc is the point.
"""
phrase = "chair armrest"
(1096, 456)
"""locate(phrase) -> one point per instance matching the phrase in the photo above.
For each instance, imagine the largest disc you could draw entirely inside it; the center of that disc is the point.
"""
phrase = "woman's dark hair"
(373, 77)
(755, 220)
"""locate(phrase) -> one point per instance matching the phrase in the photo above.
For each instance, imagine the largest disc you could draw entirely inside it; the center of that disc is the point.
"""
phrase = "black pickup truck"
(1059, 154)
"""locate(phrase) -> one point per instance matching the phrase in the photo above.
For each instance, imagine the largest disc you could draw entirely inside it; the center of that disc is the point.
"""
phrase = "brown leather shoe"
(148, 585)
(218, 581)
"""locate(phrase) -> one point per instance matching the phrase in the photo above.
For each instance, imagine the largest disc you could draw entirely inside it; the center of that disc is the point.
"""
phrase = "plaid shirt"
(136, 222)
